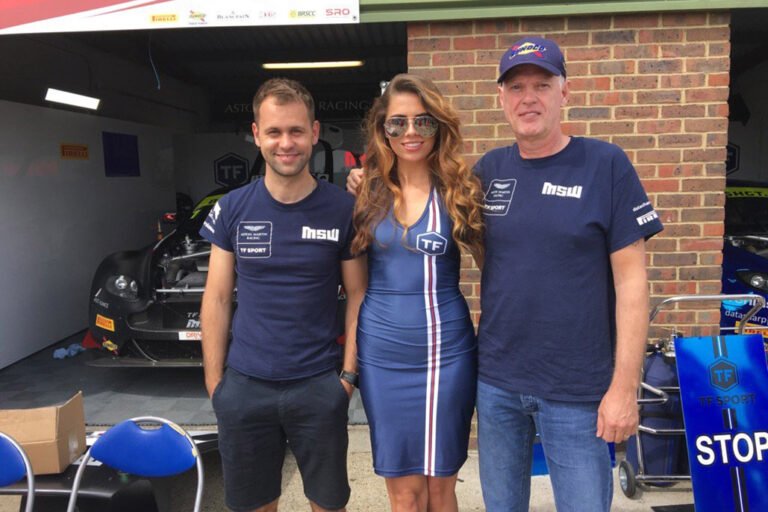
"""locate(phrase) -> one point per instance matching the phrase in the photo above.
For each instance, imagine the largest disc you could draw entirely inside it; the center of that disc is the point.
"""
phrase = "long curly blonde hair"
(380, 188)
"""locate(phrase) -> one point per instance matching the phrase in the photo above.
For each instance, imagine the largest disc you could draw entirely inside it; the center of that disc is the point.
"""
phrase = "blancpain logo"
(308, 233)
(558, 190)
(233, 16)
(648, 217)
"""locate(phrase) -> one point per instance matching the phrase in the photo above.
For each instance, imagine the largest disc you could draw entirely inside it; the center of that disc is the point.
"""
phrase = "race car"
(145, 304)
(745, 254)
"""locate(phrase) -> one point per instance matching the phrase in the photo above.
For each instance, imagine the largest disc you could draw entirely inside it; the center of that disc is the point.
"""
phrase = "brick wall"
(655, 84)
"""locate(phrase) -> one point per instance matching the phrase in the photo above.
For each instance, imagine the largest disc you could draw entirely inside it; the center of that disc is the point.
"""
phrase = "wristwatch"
(350, 377)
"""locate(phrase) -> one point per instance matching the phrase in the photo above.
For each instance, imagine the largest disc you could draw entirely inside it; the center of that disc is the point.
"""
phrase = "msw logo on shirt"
(560, 191)
(308, 233)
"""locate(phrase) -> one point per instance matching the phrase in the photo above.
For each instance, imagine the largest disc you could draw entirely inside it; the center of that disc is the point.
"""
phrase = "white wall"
(195, 155)
(752, 138)
(59, 218)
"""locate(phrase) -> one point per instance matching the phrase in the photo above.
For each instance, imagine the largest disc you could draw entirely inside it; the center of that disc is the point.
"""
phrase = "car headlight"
(756, 280)
(123, 286)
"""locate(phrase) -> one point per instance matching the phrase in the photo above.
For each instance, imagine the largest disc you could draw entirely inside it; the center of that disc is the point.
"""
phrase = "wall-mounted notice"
(121, 155)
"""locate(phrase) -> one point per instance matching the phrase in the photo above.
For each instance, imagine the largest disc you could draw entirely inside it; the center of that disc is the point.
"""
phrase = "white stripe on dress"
(433, 344)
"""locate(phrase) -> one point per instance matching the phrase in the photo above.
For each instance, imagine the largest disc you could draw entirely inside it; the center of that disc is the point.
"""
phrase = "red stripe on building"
(21, 12)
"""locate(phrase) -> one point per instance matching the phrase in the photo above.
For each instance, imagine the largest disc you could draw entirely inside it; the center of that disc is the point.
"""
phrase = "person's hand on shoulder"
(354, 179)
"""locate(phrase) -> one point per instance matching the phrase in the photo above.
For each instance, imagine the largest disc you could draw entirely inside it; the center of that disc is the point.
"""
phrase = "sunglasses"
(424, 125)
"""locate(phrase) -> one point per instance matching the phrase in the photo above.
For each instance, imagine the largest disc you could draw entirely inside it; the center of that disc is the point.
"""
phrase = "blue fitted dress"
(417, 350)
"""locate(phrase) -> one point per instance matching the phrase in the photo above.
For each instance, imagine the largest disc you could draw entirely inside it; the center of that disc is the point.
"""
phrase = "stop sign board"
(230, 170)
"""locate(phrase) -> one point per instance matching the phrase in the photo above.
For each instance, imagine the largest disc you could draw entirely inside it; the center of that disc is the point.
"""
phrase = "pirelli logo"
(105, 323)
(648, 217)
(164, 18)
(74, 152)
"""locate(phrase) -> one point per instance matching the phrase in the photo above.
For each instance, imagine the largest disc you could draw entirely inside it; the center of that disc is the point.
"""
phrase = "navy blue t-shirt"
(288, 264)
(548, 304)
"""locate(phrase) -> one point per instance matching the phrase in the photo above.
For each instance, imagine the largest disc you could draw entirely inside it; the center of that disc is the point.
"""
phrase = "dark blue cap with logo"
(533, 50)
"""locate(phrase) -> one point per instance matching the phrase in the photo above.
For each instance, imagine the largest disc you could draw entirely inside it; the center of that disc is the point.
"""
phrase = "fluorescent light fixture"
(314, 65)
(70, 98)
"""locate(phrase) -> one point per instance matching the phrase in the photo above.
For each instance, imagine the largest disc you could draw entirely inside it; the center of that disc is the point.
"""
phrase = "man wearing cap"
(564, 295)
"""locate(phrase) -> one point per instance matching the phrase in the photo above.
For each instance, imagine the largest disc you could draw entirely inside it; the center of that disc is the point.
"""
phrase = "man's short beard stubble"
(278, 168)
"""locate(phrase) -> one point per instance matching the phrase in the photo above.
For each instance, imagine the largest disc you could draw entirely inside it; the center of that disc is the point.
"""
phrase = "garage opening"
(173, 125)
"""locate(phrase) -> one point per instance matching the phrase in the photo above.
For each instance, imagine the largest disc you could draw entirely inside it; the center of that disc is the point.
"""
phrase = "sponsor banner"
(105, 323)
(24, 17)
(190, 335)
(74, 152)
(736, 259)
(724, 392)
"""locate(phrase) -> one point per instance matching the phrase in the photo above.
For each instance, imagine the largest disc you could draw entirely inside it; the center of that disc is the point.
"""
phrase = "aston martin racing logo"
(254, 239)
(499, 196)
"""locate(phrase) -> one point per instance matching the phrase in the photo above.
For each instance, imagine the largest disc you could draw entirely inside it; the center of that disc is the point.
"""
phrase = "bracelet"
(350, 377)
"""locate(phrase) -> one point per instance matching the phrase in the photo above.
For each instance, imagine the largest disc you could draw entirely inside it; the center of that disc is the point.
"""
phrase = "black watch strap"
(349, 377)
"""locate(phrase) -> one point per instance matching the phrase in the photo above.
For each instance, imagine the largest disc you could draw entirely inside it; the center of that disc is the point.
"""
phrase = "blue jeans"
(579, 463)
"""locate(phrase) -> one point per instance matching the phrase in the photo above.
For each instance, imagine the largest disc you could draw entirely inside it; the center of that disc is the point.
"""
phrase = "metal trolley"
(630, 477)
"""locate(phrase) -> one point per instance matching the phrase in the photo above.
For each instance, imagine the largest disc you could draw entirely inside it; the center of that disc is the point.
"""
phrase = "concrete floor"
(369, 494)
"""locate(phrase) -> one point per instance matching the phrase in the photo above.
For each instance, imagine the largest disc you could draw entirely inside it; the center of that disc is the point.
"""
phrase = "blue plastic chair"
(14, 465)
(157, 452)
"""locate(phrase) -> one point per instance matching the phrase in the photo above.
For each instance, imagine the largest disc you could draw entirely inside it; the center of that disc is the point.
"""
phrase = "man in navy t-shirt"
(564, 295)
(284, 243)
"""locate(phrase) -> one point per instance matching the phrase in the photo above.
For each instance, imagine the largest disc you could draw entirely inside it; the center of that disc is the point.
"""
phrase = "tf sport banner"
(724, 392)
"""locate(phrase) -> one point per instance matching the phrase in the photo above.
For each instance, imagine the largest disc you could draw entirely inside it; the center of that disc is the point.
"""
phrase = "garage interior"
(185, 94)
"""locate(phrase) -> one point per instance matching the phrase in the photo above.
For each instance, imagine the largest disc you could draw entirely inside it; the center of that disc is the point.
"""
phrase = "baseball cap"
(533, 50)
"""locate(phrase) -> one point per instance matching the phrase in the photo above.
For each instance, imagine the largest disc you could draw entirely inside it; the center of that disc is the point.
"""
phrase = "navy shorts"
(258, 418)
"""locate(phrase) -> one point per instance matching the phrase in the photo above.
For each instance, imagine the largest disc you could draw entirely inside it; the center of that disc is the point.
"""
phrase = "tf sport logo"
(723, 374)
(431, 244)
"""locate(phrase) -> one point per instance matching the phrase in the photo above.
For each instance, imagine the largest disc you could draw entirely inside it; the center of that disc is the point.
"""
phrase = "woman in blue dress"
(418, 207)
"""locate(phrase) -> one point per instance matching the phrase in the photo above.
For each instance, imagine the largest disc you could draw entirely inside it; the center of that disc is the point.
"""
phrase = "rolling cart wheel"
(627, 479)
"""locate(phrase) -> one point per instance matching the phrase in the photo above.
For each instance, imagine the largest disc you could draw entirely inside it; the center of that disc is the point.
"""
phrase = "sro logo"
(337, 12)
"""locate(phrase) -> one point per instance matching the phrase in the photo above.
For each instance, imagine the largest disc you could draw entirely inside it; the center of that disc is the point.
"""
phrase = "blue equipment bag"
(662, 454)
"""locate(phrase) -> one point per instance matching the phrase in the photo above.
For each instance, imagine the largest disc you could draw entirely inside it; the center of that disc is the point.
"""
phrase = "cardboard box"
(53, 437)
